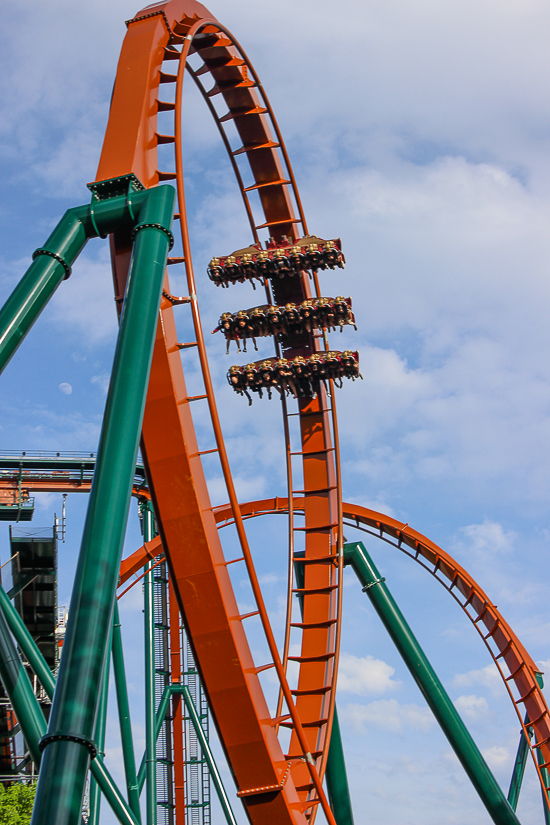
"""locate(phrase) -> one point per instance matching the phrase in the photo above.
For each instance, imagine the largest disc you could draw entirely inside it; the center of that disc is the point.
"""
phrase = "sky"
(419, 134)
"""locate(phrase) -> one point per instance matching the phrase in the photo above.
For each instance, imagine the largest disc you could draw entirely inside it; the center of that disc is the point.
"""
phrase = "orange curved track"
(514, 663)
(274, 786)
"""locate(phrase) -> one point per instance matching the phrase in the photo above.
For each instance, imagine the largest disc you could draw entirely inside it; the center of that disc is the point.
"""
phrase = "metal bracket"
(267, 788)
(114, 187)
(371, 584)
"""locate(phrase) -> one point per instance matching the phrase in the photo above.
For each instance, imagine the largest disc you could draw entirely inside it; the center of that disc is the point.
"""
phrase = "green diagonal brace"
(37, 662)
(183, 691)
(68, 744)
(124, 718)
(488, 789)
(52, 263)
(101, 723)
(519, 767)
(21, 695)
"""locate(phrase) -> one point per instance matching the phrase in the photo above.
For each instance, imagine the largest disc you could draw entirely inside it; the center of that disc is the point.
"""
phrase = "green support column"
(150, 710)
(184, 692)
(519, 768)
(68, 745)
(40, 282)
(124, 718)
(337, 778)
(427, 680)
(37, 662)
(546, 780)
(20, 693)
(543, 770)
(27, 644)
(205, 747)
(95, 792)
(52, 263)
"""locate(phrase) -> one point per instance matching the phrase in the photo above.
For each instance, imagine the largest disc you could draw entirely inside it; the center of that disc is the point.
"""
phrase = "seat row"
(279, 321)
(300, 377)
(278, 260)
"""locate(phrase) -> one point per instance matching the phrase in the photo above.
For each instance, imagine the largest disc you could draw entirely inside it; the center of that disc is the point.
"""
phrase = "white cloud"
(269, 578)
(387, 714)
(472, 707)
(365, 675)
(46, 501)
(496, 756)
(487, 540)
(487, 676)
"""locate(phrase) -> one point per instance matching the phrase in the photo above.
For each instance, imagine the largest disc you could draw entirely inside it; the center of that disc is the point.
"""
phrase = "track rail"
(516, 667)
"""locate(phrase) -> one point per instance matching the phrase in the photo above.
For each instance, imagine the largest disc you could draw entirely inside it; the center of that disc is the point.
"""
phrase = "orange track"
(202, 587)
(514, 663)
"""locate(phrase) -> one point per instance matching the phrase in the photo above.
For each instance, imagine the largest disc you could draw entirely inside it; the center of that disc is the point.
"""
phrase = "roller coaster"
(287, 761)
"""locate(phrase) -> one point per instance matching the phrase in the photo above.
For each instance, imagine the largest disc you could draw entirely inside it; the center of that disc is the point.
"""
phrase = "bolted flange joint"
(162, 228)
(59, 736)
(56, 257)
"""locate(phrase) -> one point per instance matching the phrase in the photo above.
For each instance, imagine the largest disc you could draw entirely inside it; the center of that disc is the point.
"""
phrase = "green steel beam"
(208, 755)
(68, 744)
(37, 662)
(150, 715)
(111, 793)
(26, 643)
(52, 263)
(336, 775)
(95, 792)
(543, 770)
(546, 780)
(519, 767)
(337, 778)
(183, 691)
(427, 680)
(20, 693)
(124, 718)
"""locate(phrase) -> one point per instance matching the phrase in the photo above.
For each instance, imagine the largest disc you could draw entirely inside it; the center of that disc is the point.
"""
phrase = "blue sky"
(419, 133)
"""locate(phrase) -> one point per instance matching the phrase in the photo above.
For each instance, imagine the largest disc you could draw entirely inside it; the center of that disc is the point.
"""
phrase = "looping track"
(160, 37)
